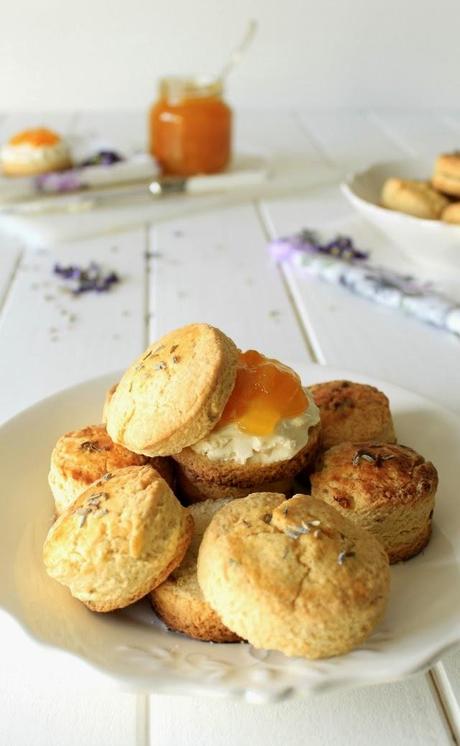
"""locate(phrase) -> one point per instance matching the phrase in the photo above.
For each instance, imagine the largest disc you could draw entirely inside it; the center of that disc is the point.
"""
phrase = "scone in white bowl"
(431, 243)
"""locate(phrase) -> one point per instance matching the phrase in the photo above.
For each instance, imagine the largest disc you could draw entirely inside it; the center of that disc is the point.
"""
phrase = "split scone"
(196, 490)
(80, 457)
(179, 600)
(417, 198)
(352, 412)
(388, 490)
(174, 393)
(234, 422)
(120, 539)
(35, 151)
(267, 434)
(293, 575)
(446, 175)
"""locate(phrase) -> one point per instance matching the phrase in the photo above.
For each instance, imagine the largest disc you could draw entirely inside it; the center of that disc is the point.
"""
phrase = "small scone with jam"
(267, 434)
(120, 539)
(35, 151)
(386, 489)
(234, 422)
(293, 575)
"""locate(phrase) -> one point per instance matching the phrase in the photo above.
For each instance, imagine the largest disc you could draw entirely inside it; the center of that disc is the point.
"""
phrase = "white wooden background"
(212, 265)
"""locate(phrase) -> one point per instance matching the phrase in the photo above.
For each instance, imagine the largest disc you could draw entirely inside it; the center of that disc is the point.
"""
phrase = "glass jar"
(190, 127)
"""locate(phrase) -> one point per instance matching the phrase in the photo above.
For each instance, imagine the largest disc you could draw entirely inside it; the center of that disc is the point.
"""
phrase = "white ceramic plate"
(430, 243)
(421, 623)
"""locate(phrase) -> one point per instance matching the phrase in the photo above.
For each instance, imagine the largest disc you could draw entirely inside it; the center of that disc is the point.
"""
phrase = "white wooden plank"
(349, 139)
(44, 703)
(214, 267)
(293, 157)
(418, 133)
(52, 340)
(398, 713)
(353, 333)
(447, 676)
(10, 253)
(92, 717)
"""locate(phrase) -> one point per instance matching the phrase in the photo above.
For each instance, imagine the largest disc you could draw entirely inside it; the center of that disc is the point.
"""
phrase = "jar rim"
(176, 87)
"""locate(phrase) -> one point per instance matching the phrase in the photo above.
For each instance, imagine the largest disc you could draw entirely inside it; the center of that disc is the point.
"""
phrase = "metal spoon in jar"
(240, 50)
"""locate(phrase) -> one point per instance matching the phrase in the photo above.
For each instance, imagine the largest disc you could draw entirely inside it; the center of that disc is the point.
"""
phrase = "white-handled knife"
(231, 181)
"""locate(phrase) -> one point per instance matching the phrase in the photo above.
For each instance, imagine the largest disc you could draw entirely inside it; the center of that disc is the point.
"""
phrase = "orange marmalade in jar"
(190, 127)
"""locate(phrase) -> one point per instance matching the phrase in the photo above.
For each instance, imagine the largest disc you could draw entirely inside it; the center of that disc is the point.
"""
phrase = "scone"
(268, 433)
(120, 539)
(352, 412)
(194, 490)
(179, 600)
(293, 575)
(446, 175)
(80, 457)
(107, 400)
(35, 151)
(175, 392)
(451, 214)
(416, 198)
(388, 490)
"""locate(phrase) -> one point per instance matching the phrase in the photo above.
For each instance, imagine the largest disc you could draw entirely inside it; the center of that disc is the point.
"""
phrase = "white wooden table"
(210, 263)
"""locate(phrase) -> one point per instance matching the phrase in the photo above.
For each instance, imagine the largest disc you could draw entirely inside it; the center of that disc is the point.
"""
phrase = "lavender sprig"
(92, 278)
(307, 241)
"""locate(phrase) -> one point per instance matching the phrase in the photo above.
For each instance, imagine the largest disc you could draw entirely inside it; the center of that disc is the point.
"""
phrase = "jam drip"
(265, 392)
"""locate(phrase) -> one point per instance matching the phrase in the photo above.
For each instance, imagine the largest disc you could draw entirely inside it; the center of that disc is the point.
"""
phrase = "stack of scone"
(438, 199)
(306, 575)
(385, 488)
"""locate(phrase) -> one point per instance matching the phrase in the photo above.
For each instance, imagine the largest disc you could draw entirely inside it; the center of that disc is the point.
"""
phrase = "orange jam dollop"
(37, 138)
(265, 392)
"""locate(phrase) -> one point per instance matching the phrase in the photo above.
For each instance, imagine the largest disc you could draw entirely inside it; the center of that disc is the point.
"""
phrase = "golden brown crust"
(108, 398)
(417, 198)
(179, 600)
(388, 490)
(194, 490)
(174, 394)
(33, 168)
(293, 575)
(409, 549)
(80, 457)
(446, 175)
(451, 214)
(232, 474)
(352, 412)
(120, 539)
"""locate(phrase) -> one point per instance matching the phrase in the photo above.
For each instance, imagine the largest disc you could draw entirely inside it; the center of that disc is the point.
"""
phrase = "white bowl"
(431, 243)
